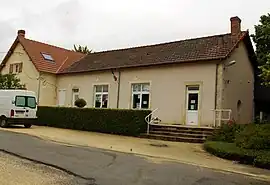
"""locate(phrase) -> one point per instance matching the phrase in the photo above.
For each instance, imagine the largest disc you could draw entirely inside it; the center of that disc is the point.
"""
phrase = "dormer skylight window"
(47, 57)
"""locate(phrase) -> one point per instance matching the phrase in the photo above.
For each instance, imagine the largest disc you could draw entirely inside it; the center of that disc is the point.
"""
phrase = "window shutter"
(11, 68)
(20, 67)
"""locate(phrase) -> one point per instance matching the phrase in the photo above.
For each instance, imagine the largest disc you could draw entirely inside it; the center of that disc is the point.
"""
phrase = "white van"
(17, 107)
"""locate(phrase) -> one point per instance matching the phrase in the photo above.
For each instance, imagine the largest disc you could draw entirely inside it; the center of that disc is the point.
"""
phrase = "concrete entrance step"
(173, 138)
(181, 127)
(181, 130)
(181, 134)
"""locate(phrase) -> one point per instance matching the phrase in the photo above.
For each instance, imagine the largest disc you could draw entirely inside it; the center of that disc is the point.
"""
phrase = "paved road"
(100, 167)
(16, 171)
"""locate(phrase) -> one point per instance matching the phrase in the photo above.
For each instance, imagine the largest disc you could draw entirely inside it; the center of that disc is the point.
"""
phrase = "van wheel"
(3, 122)
(27, 125)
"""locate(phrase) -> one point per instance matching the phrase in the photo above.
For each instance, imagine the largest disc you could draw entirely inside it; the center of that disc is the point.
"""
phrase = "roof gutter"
(142, 65)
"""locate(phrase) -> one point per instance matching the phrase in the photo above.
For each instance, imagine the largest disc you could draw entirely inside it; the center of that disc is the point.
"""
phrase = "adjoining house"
(185, 81)
(37, 64)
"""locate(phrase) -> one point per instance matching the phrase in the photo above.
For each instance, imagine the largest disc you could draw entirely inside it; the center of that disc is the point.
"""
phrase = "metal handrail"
(220, 115)
(149, 121)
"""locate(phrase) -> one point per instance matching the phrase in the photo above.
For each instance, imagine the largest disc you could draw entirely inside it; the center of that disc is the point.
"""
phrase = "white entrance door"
(61, 97)
(192, 105)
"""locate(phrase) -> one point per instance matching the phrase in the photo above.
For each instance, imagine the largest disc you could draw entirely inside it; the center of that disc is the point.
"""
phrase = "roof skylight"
(47, 57)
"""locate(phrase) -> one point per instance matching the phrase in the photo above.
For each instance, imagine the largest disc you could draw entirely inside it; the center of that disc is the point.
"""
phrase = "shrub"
(258, 121)
(80, 103)
(114, 121)
(227, 132)
(263, 160)
(225, 150)
(259, 158)
(254, 136)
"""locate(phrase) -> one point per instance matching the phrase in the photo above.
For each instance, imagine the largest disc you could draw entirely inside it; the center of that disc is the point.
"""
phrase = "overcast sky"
(111, 24)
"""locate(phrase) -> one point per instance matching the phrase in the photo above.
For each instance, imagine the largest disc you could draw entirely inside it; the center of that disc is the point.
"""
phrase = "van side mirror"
(13, 102)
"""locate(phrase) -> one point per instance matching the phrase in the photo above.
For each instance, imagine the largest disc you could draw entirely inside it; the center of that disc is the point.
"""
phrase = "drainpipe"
(118, 89)
(38, 93)
(216, 86)
(215, 106)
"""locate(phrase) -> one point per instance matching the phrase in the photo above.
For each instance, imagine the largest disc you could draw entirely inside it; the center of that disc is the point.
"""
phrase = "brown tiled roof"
(63, 58)
(198, 49)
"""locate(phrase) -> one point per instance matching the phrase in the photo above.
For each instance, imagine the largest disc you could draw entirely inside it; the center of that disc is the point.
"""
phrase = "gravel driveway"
(15, 171)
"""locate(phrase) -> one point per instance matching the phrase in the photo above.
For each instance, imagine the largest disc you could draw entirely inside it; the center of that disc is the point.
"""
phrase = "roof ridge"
(160, 44)
(29, 44)
(60, 67)
(205, 48)
(58, 47)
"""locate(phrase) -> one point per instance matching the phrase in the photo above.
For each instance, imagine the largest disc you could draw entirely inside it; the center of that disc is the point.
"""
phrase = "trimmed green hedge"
(113, 121)
(259, 158)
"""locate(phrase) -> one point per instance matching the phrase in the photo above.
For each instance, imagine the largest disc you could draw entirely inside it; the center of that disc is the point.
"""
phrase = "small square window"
(98, 88)
(47, 57)
(136, 87)
(145, 87)
(105, 88)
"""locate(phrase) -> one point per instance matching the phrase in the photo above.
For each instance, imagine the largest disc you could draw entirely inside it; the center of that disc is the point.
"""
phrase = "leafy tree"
(262, 42)
(82, 49)
(265, 71)
(10, 81)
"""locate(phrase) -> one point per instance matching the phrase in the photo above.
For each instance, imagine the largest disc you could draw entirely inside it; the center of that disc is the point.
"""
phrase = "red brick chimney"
(235, 26)
(21, 33)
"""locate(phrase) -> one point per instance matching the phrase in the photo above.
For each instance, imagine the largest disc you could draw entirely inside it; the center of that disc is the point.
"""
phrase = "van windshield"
(25, 101)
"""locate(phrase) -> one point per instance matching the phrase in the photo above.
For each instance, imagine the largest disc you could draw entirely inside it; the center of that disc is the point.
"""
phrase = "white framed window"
(140, 95)
(101, 96)
(75, 95)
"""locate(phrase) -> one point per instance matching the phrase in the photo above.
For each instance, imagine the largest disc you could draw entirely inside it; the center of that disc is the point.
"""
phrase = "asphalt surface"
(100, 167)
(17, 171)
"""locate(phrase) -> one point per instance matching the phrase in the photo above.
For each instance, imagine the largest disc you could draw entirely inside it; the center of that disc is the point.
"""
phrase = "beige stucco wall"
(168, 90)
(85, 82)
(30, 76)
(240, 85)
(48, 89)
